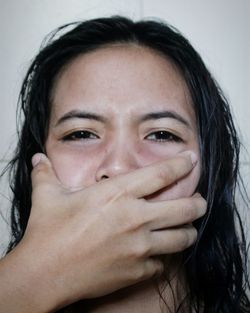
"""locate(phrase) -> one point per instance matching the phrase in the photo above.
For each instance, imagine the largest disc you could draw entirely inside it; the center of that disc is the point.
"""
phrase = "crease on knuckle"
(152, 267)
(116, 194)
(134, 219)
(141, 249)
(145, 270)
(158, 267)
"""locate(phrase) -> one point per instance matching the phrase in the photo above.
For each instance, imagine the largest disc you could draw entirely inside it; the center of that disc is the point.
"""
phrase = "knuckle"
(35, 172)
(141, 249)
(149, 268)
(139, 219)
(133, 220)
(141, 272)
(158, 268)
(118, 198)
(39, 173)
(118, 193)
(122, 191)
(39, 168)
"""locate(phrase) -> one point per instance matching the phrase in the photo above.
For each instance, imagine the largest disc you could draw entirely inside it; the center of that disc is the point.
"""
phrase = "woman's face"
(117, 109)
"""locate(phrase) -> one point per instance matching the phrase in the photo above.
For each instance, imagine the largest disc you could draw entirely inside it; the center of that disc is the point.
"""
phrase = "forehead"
(118, 78)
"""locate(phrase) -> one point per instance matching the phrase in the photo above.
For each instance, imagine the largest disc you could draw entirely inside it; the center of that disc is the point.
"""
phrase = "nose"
(118, 159)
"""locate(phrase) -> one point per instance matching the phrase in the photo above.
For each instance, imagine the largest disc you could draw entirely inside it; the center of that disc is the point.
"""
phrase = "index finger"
(147, 180)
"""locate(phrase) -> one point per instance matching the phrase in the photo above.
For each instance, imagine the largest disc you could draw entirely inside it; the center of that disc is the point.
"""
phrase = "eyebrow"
(165, 114)
(81, 114)
(99, 118)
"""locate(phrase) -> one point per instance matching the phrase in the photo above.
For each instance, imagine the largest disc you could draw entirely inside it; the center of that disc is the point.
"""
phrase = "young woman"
(124, 179)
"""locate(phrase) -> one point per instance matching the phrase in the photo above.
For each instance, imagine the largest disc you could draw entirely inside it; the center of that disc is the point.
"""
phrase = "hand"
(91, 242)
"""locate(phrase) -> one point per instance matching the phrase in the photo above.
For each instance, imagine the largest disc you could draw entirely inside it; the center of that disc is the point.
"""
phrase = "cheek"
(151, 152)
(73, 169)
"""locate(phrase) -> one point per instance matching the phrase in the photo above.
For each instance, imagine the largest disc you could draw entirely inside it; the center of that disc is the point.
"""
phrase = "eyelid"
(78, 124)
(173, 131)
(176, 137)
(66, 135)
(78, 128)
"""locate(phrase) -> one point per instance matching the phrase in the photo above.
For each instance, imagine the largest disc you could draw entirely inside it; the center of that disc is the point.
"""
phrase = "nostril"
(104, 177)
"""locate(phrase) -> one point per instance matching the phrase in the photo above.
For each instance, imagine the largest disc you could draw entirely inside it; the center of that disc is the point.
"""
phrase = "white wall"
(219, 30)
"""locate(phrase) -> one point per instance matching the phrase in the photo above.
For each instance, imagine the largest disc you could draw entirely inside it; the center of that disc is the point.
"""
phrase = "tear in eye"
(163, 136)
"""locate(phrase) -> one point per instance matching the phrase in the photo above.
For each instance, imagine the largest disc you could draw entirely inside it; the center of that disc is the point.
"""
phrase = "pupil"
(81, 134)
(163, 135)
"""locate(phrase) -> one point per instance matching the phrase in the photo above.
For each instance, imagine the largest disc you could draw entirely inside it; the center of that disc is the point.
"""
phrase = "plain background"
(218, 29)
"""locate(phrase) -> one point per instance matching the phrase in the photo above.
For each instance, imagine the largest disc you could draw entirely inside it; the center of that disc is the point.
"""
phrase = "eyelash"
(80, 135)
(164, 136)
(160, 136)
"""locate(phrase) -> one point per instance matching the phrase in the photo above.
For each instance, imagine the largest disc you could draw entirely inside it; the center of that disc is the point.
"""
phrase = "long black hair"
(216, 266)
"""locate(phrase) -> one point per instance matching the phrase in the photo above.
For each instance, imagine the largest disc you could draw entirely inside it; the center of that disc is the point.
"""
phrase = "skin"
(121, 84)
(126, 188)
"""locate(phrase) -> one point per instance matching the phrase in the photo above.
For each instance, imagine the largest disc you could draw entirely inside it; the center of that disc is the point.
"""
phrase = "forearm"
(22, 287)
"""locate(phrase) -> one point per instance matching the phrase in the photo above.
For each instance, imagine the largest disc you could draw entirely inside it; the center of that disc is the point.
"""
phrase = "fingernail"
(196, 195)
(36, 159)
(192, 156)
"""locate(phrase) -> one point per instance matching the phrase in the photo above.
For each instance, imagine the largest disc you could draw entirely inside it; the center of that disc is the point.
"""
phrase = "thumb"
(43, 171)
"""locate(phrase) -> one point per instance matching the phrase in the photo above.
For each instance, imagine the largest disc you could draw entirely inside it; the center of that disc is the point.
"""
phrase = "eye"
(80, 135)
(163, 136)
